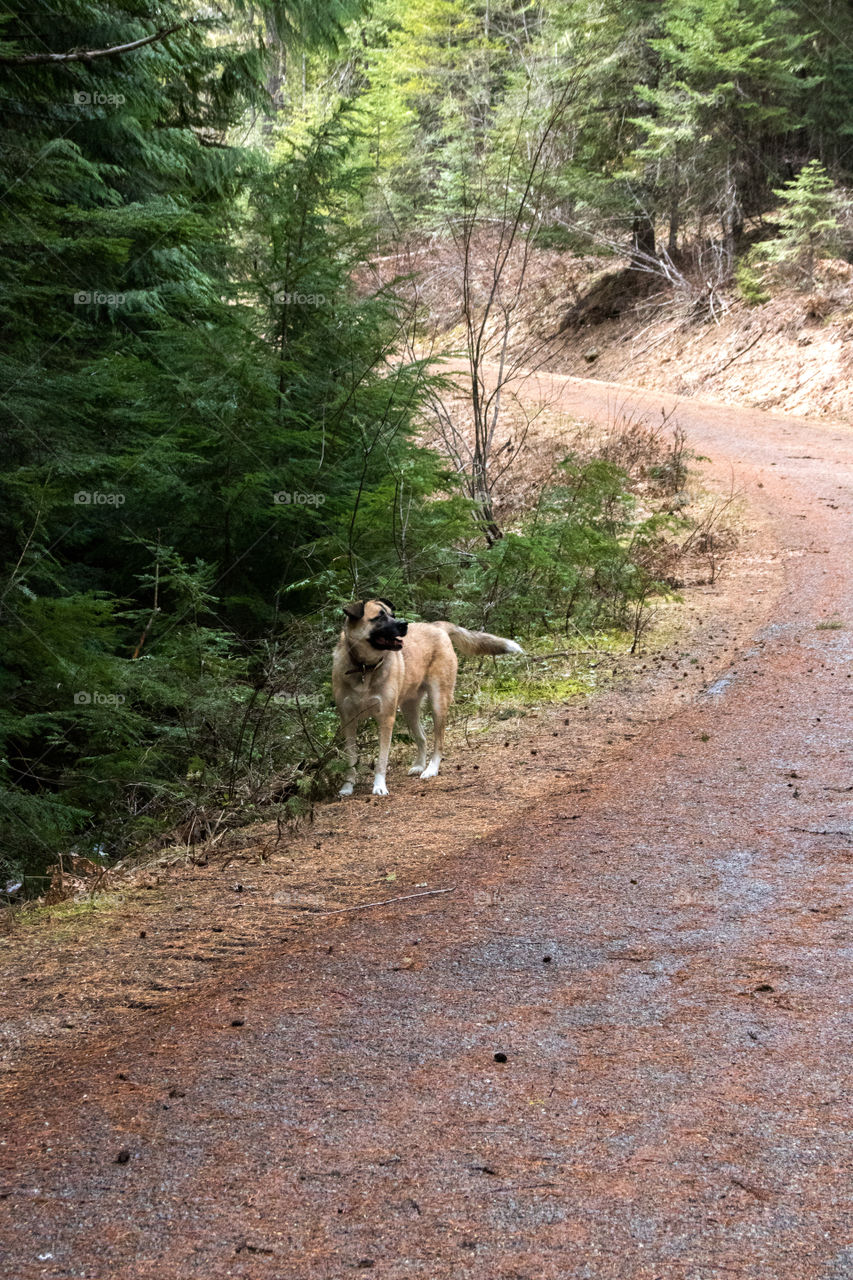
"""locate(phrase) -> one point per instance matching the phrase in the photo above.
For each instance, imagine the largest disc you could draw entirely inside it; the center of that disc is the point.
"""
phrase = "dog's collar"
(362, 668)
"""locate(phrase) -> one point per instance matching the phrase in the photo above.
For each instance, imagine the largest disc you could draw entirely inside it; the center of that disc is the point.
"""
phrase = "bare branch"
(88, 55)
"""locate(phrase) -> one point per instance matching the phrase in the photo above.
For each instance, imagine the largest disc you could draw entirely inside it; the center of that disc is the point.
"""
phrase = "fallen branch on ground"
(560, 653)
(403, 897)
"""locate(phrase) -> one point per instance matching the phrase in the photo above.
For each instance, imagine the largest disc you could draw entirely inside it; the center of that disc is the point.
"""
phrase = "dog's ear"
(387, 603)
(355, 610)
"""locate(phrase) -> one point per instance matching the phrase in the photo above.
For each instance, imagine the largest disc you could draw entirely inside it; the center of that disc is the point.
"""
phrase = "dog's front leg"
(351, 750)
(386, 728)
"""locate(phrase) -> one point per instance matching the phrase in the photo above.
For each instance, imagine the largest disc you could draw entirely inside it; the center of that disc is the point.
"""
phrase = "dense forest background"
(222, 420)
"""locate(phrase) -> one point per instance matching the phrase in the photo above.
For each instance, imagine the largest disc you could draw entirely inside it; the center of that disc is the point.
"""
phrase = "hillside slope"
(792, 354)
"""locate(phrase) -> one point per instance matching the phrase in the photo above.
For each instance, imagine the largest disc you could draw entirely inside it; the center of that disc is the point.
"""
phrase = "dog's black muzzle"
(388, 634)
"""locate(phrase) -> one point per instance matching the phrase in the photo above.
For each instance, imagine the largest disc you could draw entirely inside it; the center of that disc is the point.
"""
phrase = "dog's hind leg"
(412, 712)
(351, 749)
(439, 702)
(386, 728)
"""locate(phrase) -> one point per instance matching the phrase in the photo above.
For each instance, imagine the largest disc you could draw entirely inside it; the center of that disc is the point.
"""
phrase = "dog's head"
(372, 622)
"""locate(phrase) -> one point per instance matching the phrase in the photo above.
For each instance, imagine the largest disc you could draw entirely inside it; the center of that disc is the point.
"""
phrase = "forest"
(264, 268)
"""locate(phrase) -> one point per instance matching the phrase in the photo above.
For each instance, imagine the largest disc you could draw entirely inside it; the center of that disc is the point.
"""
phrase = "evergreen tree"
(434, 73)
(809, 224)
(603, 50)
(152, 412)
(826, 28)
(727, 97)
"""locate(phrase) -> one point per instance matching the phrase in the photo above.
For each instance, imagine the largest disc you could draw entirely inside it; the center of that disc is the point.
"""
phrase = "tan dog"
(381, 665)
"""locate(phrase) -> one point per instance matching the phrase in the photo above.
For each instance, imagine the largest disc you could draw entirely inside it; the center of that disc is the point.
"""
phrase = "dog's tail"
(478, 641)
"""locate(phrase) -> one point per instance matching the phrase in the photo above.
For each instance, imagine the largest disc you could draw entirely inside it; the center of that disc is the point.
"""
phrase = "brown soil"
(792, 354)
(649, 919)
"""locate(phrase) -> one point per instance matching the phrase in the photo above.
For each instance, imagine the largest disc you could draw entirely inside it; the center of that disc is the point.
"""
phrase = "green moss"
(65, 918)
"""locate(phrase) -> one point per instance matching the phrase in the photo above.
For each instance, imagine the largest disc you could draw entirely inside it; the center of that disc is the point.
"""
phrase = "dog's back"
(428, 655)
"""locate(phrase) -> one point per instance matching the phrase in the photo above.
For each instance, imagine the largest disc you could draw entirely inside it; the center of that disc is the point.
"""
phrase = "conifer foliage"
(810, 224)
(188, 385)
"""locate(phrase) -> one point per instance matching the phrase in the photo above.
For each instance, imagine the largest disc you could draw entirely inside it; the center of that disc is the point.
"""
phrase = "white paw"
(431, 770)
(379, 788)
(416, 769)
(346, 789)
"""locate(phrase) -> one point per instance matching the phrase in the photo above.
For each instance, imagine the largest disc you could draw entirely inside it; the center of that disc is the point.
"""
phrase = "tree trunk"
(643, 240)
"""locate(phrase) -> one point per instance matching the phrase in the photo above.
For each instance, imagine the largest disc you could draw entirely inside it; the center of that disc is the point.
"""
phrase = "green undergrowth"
(552, 672)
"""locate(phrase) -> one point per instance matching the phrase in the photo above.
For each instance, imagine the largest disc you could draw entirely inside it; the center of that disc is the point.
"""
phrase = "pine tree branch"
(86, 55)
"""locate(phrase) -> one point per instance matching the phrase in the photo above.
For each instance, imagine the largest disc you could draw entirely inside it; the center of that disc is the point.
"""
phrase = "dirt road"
(620, 1049)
